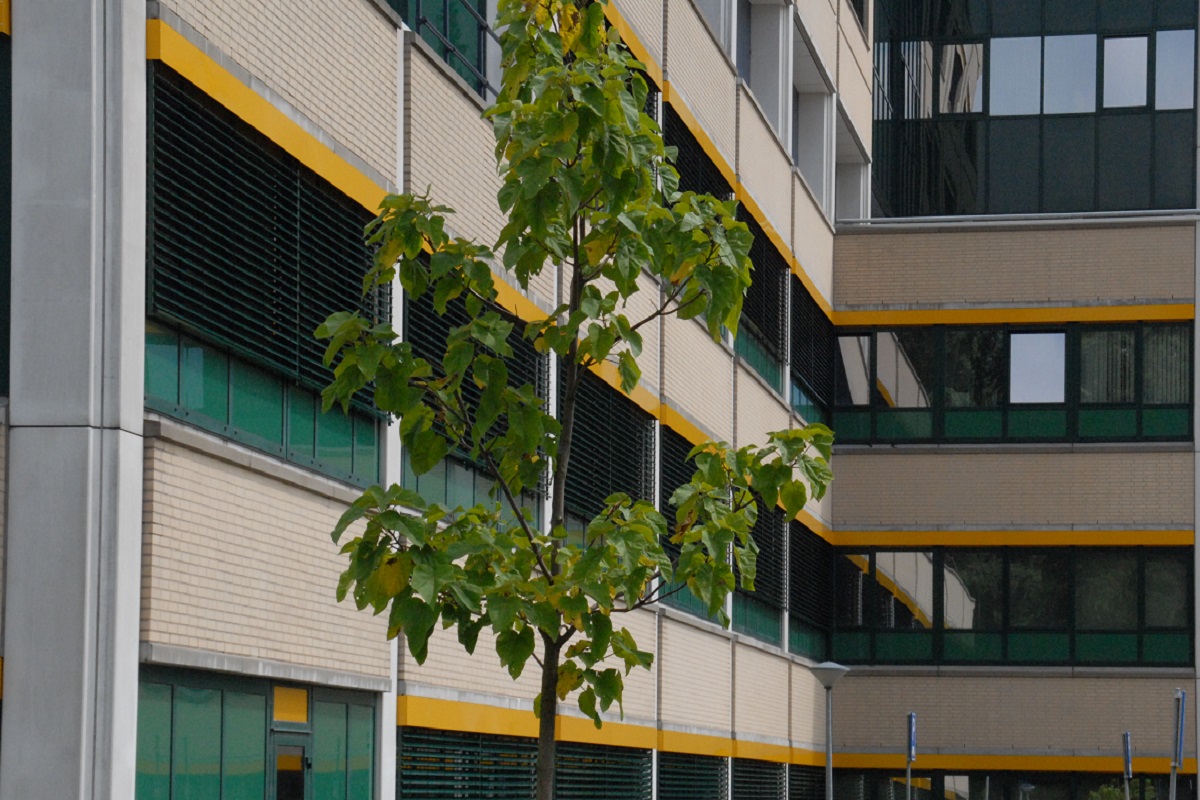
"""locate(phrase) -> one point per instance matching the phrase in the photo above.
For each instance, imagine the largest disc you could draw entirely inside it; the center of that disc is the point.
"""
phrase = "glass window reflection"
(1070, 82)
(961, 78)
(1125, 62)
(973, 590)
(905, 589)
(852, 373)
(1038, 593)
(1174, 69)
(907, 366)
(1166, 372)
(1106, 367)
(1016, 76)
(1037, 367)
(1106, 591)
(974, 368)
(1167, 590)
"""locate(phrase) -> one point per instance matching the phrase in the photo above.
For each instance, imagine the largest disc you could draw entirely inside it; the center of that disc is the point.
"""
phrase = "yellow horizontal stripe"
(620, 734)
(165, 44)
(1062, 538)
(608, 372)
(697, 130)
(455, 715)
(5, 17)
(698, 744)
(1165, 312)
(761, 751)
(511, 299)
(963, 763)
(634, 44)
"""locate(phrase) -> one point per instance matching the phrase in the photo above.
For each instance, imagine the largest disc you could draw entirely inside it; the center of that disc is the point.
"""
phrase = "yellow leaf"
(568, 26)
(392, 576)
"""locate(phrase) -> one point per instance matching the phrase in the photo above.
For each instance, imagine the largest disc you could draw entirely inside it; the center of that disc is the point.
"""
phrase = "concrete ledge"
(175, 656)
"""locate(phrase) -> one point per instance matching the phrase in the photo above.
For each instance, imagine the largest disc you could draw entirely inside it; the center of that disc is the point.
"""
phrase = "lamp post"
(828, 673)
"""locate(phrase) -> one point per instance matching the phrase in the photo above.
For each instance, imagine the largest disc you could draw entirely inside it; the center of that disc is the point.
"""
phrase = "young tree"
(588, 188)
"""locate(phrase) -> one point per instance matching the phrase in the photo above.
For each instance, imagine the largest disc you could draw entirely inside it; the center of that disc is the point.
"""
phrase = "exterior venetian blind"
(674, 471)
(757, 780)
(769, 577)
(805, 783)
(247, 248)
(812, 345)
(437, 765)
(697, 172)
(682, 776)
(810, 584)
(612, 450)
(765, 306)
(592, 772)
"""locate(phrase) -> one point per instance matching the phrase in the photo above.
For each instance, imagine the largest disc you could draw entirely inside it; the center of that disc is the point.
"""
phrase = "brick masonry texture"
(697, 68)
(698, 376)
(646, 18)
(335, 61)
(1055, 490)
(1079, 266)
(763, 166)
(694, 660)
(760, 680)
(238, 563)
(991, 714)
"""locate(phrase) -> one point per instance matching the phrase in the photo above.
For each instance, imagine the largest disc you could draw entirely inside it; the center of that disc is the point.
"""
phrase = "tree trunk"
(547, 746)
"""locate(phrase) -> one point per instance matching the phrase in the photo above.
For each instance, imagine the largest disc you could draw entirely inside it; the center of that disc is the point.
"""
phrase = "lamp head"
(828, 673)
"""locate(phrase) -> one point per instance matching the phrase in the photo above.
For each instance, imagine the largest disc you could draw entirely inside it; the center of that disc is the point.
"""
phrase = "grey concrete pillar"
(75, 457)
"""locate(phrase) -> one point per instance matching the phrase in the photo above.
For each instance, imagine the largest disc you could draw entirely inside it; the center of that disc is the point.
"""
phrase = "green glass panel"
(750, 349)
(1112, 423)
(153, 742)
(460, 486)
(257, 402)
(162, 363)
(244, 770)
(204, 382)
(1106, 648)
(1037, 423)
(851, 646)
(360, 752)
(972, 646)
(302, 415)
(806, 640)
(335, 441)
(904, 424)
(196, 744)
(329, 751)
(908, 647)
(1165, 422)
(1166, 648)
(1040, 647)
(684, 600)
(852, 426)
(366, 448)
(756, 618)
(973, 424)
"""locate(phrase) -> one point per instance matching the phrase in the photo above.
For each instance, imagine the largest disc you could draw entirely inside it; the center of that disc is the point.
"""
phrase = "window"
(1016, 76)
(961, 78)
(1069, 86)
(458, 31)
(759, 613)
(1085, 383)
(1083, 605)
(1125, 71)
(674, 471)
(433, 763)
(1174, 74)
(810, 592)
(601, 772)
(762, 332)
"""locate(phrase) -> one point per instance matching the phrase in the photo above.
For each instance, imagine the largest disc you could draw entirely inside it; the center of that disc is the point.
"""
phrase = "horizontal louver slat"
(812, 345)
(805, 783)
(697, 172)
(810, 584)
(466, 766)
(683, 776)
(757, 780)
(765, 306)
(596, 772)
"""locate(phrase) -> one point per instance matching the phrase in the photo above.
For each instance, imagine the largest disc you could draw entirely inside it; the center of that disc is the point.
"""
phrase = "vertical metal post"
(1127, 746)
(1177, 749)
(910, 754)
(829, 743)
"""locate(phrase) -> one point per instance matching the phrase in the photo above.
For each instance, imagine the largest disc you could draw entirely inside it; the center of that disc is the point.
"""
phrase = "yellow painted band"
(697, 130)
(5, 17)
(619, 734)
(607, 372)
(761, 751)
(1065, 538)
(794, 265)
(1164, 312)
(511, 299)
(634, 43)
(454, 715)
(698, 744)
(165, 44)
(964, 763)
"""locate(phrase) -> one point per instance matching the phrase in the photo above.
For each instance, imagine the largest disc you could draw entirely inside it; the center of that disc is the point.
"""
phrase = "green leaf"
(514, 648)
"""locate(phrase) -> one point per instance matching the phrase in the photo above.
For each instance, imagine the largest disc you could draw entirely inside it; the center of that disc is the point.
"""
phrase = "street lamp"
(828, 673)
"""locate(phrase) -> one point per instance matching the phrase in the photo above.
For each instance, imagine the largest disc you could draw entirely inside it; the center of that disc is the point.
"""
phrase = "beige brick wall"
(333, 60)
(646, 19)
(761, 701)
(696, 677)
(994, 714)
(239, 563)
(808, 709)
(812, 239)
(819, 18)
(759, 410)
(855, 71)
(697, 69)
(1093, 264)
(763, 166)
(698, 377)
(1053, 490)
(447, 666)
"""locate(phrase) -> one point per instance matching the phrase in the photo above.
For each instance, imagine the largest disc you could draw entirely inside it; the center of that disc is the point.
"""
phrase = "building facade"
(975, 258)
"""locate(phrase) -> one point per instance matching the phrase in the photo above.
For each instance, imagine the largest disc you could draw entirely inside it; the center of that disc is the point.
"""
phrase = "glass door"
(293, 766)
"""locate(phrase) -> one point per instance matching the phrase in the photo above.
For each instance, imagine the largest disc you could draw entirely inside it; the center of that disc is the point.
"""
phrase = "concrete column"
(75, 454)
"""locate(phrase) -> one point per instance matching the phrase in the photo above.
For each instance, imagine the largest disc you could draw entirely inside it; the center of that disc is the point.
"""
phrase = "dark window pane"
(1167, 589)
(1106, 591)
(1037, 364)
(1070, 16)
(1124, 162)
(958, 161)
(852, 586)
(1106, 366)
(852, 375)
(1174, 159)
(1038, 590)
(905, 590)
(974, 368)
(1166, 369)
(1013, 158)
(1069, 155)
(1015, 84)
(907, 368)
(1016, 17)
(961, 82)
(917, 79)
(1070, 83)
(1173, 13)
(1174, 69)
(162, 363)
(1125, 71)
(974, 590)
(1126, 15)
